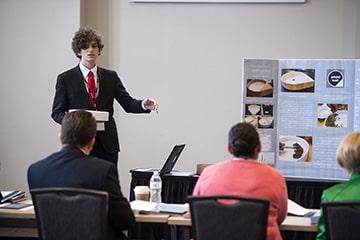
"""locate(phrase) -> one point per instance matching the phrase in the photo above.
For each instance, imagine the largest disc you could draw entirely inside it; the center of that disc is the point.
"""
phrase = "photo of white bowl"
(266, 121)
(337, 119)
(296, 81)
(324, 111)
(332, 115)
(259, 88)
(291, 147)
(341, 119)
(252, 119)
(254, 109)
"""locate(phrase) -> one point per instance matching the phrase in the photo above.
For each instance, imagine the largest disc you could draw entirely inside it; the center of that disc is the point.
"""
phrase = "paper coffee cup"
(142, 193)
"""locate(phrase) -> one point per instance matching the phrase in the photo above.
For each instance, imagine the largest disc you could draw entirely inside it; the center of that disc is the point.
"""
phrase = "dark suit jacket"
(70, 167)
(71, 93)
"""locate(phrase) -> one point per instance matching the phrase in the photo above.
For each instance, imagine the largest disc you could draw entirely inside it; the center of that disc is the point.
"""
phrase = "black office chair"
(229, 217)
(70, 213)
(342, 220)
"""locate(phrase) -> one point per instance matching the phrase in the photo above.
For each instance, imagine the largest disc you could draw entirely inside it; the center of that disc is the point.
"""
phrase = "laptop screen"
(173, 157)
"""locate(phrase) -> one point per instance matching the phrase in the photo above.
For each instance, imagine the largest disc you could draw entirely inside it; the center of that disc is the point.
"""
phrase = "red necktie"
(91, 88)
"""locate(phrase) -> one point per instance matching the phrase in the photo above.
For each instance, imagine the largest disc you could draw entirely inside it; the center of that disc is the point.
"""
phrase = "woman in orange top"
(245, 176)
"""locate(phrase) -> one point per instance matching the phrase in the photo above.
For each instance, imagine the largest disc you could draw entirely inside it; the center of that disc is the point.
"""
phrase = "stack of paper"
(19, 206)
(315, 218)
(145, 206)
(182, 174)
(296, 209)
(11, 196)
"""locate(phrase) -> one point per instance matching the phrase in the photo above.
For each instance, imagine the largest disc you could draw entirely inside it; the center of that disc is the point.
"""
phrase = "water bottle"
(155, 188)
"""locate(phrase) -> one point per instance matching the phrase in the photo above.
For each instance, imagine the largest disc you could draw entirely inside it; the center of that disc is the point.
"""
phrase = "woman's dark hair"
(243, 139)
(82, 39)
(78, 128)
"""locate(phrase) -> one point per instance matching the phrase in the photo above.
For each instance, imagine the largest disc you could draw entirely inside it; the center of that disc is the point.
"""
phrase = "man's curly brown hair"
(82, 39)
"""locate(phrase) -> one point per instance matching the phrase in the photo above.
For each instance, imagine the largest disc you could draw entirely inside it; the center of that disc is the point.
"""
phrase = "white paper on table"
(146, 169)
(145, 206)
(315, 218)
(296, 209)
(139, 205)
(27, 208)
(177, 208)
(182, 174)
(5, 193)
(11, 195)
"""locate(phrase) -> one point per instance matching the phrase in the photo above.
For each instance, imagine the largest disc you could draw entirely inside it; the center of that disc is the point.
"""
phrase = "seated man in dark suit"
(73, 167)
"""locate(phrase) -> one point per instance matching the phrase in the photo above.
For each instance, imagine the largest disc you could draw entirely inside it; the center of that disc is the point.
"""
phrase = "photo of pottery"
(332, 115)
(259, 88)
(252, 109)
(259, 115)
(295, 148)
(266, 119)
(252, 119)
(297, 80)
(305, 107)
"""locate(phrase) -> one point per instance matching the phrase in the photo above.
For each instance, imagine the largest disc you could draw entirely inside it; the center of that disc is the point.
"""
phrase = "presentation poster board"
(302, 109)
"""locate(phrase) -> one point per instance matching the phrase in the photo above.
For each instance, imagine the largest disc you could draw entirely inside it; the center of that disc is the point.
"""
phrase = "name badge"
(100, 126)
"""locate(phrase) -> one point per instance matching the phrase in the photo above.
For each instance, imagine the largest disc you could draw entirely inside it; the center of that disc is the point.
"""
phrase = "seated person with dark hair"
(73, 167)
(245, 176)
(348, 157)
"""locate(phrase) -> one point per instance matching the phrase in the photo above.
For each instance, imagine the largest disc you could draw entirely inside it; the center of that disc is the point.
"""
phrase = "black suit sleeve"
(60, 104)
(128, 103)
(121, 216)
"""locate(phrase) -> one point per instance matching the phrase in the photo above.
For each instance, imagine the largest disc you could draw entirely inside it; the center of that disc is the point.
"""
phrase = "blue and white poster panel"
(313, 104)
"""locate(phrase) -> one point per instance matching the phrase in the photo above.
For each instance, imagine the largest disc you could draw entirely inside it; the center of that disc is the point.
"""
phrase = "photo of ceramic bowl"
(252, 119)
(324, 111)
(259, 88)
(337, 119)
(289, 148)
(296, 81)
(253, 109)
(341, 119)
(266, 121)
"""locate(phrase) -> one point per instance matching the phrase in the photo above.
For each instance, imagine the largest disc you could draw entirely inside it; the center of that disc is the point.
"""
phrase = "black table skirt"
(175, 189)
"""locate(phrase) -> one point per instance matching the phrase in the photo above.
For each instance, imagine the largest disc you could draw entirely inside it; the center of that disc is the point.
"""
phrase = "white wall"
(35, 45)
(187, 56)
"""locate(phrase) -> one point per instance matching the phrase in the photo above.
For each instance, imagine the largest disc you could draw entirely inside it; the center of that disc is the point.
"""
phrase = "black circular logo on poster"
(335, 77)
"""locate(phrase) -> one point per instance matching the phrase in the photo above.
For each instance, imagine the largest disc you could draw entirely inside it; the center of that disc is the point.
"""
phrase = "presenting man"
(73, 167)
(90, 87)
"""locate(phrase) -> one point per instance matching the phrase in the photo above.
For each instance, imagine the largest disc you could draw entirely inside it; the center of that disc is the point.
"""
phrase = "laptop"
(171, 160)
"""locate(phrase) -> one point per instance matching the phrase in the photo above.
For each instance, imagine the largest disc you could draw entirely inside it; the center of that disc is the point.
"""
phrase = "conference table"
(18, 222)
(177, 187)
(180, 226)
(22, 223)
(291, 223)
